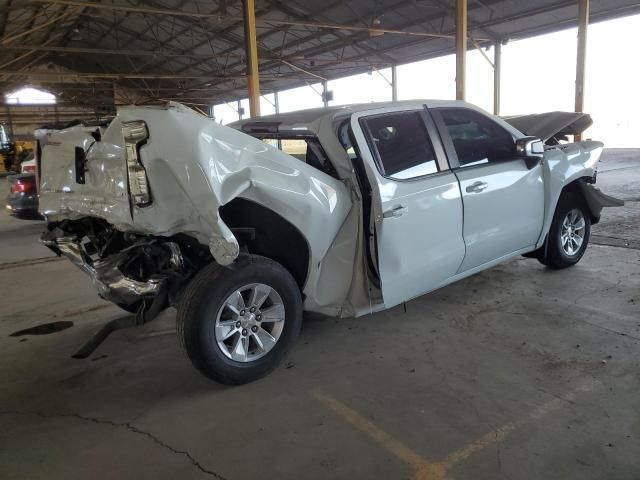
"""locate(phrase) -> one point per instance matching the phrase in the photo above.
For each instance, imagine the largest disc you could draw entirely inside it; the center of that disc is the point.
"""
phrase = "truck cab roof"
(301, 120)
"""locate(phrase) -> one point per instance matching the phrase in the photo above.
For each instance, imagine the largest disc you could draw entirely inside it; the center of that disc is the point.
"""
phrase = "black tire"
(555, 256)
(205, 295)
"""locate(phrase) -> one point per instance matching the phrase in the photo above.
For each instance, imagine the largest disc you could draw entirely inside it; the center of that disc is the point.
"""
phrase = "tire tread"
(552, 256)
(187, 320)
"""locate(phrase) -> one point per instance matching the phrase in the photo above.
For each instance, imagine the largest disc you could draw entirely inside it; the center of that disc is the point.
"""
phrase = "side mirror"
(531, 149)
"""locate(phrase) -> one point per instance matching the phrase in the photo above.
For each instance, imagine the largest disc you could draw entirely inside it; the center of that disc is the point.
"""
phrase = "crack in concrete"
(559, 397)
(601, 172)
(128, 426)
(615, 242)
(610, 330)
(498, 453)
(582, 319)
(29, 262)
(598, 290)
(589, 293)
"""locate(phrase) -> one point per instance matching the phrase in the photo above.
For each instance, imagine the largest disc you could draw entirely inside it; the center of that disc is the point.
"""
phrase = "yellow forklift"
(7, 150)
(12, 153)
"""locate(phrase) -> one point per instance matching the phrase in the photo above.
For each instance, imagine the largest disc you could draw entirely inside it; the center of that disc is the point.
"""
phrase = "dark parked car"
(23, 196)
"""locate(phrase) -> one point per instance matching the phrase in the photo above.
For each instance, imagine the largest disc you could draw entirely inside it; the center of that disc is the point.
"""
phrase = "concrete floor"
(517, 373)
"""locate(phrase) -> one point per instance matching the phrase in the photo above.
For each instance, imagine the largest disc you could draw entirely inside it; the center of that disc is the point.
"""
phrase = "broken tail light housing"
(28, 169)
(135, 135)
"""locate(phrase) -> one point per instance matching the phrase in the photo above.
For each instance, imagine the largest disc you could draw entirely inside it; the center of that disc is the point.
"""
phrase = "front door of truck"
(503, 196)
(416, 202)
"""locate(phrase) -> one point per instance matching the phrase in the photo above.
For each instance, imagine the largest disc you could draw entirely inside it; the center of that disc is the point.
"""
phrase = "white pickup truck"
(342, 211)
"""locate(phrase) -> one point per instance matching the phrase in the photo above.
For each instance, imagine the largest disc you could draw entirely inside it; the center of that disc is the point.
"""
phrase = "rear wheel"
(237, 323)
(569, 233)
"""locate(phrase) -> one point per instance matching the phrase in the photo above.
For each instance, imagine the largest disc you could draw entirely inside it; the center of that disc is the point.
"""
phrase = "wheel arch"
(573, 188)
(264, 232)
(553, 199)
(592, 198)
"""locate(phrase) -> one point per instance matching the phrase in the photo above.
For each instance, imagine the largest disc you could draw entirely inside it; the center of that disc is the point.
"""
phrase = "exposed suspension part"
(139, 273)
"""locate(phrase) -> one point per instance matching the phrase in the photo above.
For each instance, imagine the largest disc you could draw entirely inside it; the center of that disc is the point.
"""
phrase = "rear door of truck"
(417, 203)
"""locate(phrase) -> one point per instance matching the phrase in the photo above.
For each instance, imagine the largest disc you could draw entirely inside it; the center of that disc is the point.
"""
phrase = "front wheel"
(569, 233)
(237, 323)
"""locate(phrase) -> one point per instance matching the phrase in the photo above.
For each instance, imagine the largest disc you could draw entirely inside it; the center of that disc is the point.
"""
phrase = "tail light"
(28, 169)
(23, 186)
(135, 135)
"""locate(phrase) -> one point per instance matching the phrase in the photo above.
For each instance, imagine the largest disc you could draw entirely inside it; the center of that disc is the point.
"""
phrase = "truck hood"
(551, 124)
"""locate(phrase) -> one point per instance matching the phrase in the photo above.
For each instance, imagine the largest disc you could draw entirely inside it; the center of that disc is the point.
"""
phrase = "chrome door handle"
(395, 212)
(477, 187)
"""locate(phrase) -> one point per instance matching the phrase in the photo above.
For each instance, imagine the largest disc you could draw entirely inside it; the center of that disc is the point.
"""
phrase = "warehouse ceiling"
(92, 53)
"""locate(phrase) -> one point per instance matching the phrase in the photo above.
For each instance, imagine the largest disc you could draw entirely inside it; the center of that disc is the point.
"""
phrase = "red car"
(23, 195)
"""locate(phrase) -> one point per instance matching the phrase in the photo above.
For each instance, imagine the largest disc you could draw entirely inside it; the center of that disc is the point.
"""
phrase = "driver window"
(476, 138)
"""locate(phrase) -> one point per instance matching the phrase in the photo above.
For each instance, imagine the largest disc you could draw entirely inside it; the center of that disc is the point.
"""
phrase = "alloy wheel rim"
(573, 231)
(250, 322)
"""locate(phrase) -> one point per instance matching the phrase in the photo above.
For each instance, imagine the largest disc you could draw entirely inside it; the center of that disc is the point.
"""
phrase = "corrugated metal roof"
(193, 50)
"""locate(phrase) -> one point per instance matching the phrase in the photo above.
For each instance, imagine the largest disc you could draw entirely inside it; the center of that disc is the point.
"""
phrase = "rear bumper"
(22, 203)
(111, 283)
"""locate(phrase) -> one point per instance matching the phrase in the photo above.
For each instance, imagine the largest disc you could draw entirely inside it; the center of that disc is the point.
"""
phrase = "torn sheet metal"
(108, 280)
(194, 166)
(597, 200)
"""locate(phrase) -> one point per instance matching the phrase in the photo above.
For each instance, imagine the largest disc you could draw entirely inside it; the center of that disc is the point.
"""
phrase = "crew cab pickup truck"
(342, 211)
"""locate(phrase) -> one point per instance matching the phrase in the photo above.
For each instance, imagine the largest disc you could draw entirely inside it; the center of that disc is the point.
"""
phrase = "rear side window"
(402, 144)
(293, 146)
(476, 138)
(306, 149)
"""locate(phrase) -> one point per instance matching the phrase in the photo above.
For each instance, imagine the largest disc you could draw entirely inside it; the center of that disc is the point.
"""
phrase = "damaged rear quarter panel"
(194, 166)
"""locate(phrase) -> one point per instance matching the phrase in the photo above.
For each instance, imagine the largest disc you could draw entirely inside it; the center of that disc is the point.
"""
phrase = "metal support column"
(394, 83)
(497, 67)
(240, 110)
(583, 23)
(325, 94)
(251, 49)
(461, 47)
(276, 105)
(8, 108)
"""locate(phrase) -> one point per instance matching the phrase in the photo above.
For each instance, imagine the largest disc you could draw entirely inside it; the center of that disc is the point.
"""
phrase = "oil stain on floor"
(44, 329)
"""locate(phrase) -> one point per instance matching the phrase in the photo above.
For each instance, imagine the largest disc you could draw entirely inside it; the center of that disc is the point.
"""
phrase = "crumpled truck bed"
(194, 166)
